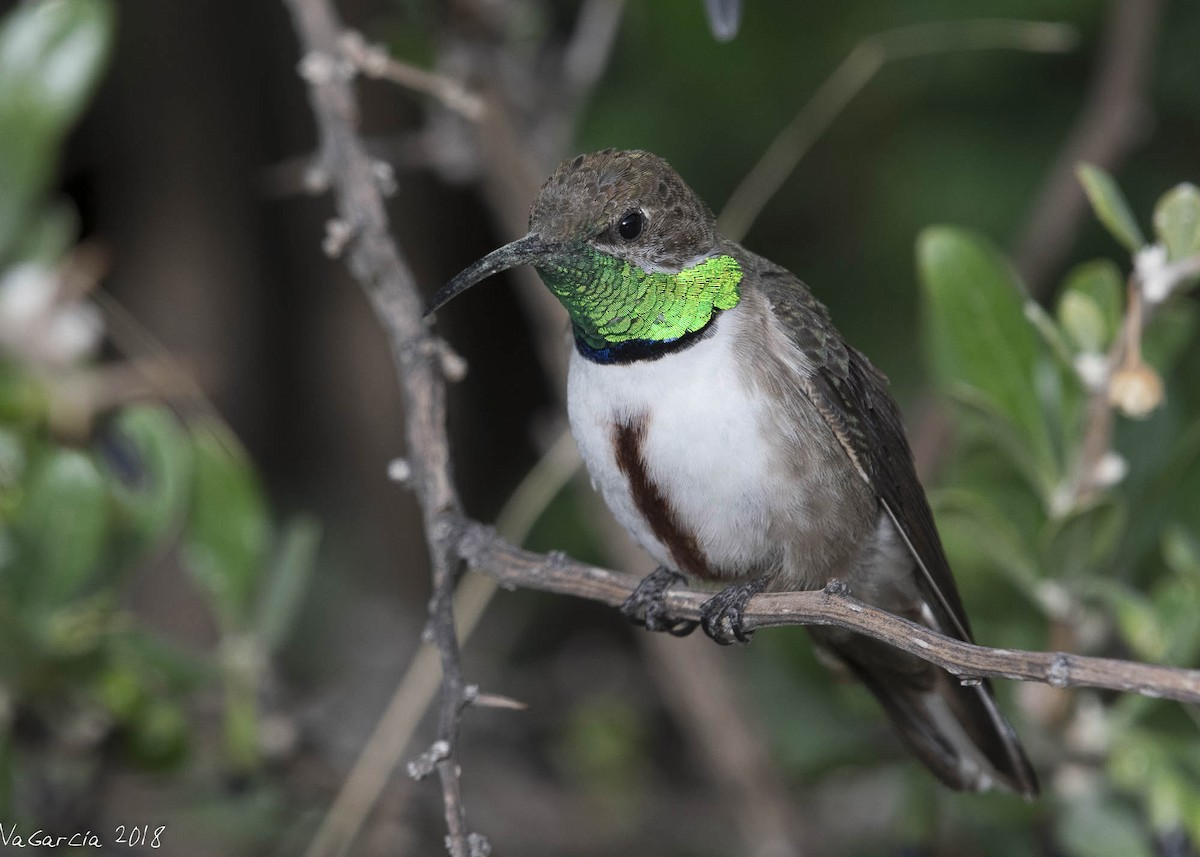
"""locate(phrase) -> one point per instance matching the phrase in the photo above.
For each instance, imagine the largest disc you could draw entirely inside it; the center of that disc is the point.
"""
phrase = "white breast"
(703, 446)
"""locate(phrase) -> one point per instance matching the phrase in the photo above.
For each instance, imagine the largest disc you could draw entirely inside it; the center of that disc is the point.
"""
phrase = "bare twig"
(855, 72)
(832, 606)
(1110, 124)
(1126, 383)
(376, 262)
(375, 61)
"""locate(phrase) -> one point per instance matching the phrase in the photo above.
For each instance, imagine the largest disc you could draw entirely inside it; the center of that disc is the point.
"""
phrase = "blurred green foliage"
(51, 57)
(1100, 570)
(92, 496)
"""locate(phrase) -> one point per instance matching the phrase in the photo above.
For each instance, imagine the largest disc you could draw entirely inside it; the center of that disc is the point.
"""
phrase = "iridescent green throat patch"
(611, 301)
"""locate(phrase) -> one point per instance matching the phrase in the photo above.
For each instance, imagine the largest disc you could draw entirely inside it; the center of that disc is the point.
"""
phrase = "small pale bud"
(1136, 390)
(1110, 470)
(1157, 278)
(1092, 369)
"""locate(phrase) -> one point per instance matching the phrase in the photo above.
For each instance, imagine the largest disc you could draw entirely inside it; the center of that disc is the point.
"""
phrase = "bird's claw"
(645, 606)
(721, 615)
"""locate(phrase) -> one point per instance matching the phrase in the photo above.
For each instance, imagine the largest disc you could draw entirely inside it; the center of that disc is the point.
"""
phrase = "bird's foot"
(721, 615)
(645, 606)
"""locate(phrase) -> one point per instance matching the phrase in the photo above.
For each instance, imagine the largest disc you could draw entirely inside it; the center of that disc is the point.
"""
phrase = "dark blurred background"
(188, 168)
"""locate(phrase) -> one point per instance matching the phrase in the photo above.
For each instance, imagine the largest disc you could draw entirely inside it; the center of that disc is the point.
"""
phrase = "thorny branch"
(374, 259)
(374, 61)
(376, 262)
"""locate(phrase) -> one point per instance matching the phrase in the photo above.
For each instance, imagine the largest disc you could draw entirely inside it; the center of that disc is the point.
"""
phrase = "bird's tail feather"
(957, 730)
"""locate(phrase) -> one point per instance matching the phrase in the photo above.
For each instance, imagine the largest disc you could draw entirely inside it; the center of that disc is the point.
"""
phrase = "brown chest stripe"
(628, 439)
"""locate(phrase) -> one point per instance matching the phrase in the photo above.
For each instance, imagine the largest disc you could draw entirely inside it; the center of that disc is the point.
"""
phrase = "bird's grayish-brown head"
(626, 246)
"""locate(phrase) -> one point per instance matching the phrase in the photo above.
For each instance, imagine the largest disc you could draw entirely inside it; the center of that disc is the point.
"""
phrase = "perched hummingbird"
(739, 439)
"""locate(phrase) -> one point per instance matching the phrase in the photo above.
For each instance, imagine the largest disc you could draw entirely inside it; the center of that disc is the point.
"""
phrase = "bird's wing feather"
(851, 396)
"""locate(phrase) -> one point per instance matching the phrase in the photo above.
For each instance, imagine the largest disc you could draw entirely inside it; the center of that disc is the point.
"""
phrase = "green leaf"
(1051, 334)
(225, 545)
(62, 525)
(154, 496)
(1085, 539)
(295, 561)
(48, 234)
(157, 737)
(977, 334)
(1089, 828)
(977, 522)
(1083, 321)
(1177, 222)
(51, 56)
(1181, 552)
(1177, 613)
(1168, 333)
(1136, 620)
(1090, 306)
(1110, 206)
(1153, 766)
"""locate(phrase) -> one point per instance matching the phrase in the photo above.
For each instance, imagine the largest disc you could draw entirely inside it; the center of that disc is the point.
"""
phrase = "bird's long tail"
(957, 730)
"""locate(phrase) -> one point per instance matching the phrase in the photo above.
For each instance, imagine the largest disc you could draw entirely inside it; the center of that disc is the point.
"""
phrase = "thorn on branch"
(316, 179)
(399, 470)
(452, 364)
(479, 845)
(320, 68)
(372, 59)
(425, 764)
(385, 177)
(473, 696)
(337, 235)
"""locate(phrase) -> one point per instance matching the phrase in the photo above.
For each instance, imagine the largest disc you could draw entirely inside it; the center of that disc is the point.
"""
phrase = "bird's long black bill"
(523, 251)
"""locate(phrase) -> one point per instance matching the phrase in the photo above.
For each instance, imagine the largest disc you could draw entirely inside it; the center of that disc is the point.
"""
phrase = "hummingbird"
(740, 440)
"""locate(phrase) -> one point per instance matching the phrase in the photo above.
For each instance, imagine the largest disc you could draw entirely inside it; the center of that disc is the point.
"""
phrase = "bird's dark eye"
(630, 226)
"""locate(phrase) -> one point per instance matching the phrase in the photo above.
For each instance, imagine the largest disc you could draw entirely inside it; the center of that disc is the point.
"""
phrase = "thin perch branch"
(833, 606)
